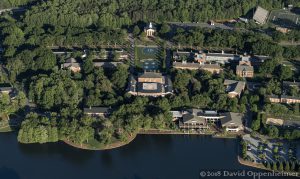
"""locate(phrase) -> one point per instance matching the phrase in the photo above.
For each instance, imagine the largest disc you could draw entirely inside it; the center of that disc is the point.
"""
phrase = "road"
(203, 25)
(131, 52)
(14, 9)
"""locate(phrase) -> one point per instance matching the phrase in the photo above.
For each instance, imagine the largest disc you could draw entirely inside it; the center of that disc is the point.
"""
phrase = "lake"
(147, 157)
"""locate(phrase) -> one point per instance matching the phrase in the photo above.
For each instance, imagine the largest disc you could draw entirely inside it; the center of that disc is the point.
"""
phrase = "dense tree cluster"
(38, 129)
(9, 106)
(55, 91)
(83, 13)
(203, 90)
(60, 94)
(250, 42)
(14, 3)
(105, 89)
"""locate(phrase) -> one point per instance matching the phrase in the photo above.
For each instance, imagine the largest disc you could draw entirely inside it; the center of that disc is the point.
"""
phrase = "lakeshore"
(141, 158)
(118, 144)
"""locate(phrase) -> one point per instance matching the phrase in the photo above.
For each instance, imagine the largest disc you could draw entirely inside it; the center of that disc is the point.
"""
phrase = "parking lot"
(271, 151)
(284, 18)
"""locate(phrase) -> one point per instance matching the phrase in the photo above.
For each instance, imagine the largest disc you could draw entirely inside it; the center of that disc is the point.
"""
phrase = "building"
(150, 30)
(289, 99)
(71, 64)
(107, 64)
(198, 119)
(274, 121)
(234, 88)
(286, 96)
(283, 29)
(97, 111)
(233, 122)
(211, 116)
(6, 88)
(176, 115)
(200, 58)
(191, 121)
(182, 56)
(186, 65)
(284, 99)
(221, 58)
(274, 99)
(261, 15)
(284, 121)
(245, 69)
(213, 68)
(150, 84)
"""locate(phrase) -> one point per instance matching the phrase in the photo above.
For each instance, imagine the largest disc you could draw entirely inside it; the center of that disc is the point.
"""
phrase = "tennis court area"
(148, 58)
(150, 65)
(284, 18)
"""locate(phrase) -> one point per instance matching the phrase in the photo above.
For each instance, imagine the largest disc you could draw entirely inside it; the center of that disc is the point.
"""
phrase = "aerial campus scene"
(149, 89)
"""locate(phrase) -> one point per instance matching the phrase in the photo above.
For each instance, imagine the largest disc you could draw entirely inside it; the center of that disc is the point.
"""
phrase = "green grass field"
(147, 52)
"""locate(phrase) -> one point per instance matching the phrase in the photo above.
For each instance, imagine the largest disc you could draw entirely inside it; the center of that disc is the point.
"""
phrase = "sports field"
(284, 18)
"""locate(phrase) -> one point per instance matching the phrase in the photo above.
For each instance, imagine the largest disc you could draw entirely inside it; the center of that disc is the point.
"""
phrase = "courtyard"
(148, 58)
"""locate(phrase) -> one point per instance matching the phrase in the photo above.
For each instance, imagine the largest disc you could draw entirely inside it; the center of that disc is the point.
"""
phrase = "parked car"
(249, 148)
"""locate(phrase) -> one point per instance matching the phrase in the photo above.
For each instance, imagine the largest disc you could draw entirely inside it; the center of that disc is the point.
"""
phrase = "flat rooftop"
(150, 86)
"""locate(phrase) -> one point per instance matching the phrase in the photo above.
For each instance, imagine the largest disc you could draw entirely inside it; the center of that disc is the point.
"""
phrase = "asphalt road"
(203, 25)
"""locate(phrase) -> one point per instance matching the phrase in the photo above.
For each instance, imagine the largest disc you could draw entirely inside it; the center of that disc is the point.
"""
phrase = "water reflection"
(147, 157)
(8, 173)
(58, 150)
(107, 159)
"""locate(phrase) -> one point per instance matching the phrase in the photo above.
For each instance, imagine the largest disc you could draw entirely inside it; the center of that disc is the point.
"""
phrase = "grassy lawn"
(147, 52)
(6, 129)
(95, 144)
(148, 58)
(145, 41)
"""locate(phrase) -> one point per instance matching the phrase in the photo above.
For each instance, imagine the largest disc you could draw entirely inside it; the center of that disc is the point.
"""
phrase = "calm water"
(147, 157)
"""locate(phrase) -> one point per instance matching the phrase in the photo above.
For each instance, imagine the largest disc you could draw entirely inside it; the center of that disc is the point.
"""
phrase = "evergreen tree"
(280, 168)
(287, 166)
(136, 31)
(274, 166)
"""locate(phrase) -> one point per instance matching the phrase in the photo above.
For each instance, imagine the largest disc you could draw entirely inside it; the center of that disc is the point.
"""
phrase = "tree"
(268, 66)
(136, 31)
(143, 35)
(88, 66)
(165, 28)
(115, 56)
(280, 168)
(82, 134)
(21, 98)
(255, 125)
(274, 166)
(268, 165)
(284, 72)
(44, 59)
(273, 131)
(102, 53)
(296, 109)
(105, 135)
(293, 166)
(287, 166)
